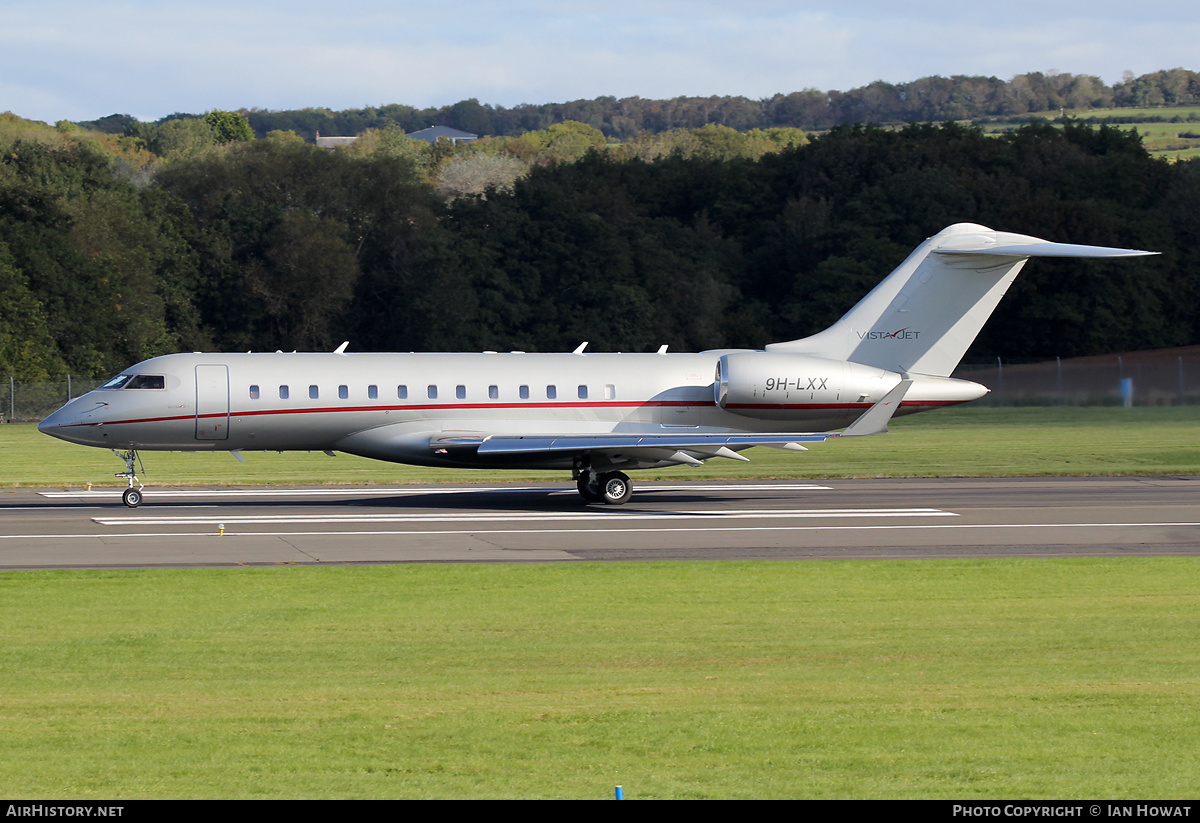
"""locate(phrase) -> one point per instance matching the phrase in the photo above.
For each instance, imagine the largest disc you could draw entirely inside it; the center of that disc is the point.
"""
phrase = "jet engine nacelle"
(768, 385)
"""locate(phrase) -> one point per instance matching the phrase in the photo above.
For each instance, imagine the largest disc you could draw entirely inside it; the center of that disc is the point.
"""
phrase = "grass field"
(950, 443)
(952, 679)
(1162, 139)
(973, 679)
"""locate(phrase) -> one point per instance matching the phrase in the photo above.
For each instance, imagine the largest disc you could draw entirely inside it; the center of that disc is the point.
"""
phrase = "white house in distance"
(334, 142)
(436, 133)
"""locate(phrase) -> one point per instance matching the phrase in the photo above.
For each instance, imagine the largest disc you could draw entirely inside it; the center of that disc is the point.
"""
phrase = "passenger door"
(212, 402)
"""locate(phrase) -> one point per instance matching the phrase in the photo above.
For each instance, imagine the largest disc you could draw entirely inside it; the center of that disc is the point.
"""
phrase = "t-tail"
(924, 315)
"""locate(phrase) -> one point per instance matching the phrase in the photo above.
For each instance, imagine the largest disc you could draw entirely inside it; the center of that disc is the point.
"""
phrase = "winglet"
(342, 348)
(875, 419)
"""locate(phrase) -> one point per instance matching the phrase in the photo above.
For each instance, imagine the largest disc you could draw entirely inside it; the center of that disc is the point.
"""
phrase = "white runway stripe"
(609, 517)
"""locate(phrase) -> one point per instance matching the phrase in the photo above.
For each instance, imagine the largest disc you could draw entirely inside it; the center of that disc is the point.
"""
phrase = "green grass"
(945, 679)
(938, 679)
(969, 442)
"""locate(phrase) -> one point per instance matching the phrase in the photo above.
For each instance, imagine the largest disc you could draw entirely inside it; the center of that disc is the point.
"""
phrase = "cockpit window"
(136, 381)
(147, 381)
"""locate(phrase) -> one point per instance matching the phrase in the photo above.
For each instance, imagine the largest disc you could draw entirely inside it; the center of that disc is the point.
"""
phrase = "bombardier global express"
(597, 415)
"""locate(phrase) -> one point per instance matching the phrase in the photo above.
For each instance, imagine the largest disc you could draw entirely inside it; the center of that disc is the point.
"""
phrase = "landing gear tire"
(589, 489)
(615, 488)
(131, 496)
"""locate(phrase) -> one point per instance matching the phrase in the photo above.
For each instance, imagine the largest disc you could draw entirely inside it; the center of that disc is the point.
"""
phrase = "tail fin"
(924, 315)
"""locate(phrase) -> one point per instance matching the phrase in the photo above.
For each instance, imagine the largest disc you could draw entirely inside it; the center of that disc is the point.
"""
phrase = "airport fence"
(1163, 378)
(27, 402)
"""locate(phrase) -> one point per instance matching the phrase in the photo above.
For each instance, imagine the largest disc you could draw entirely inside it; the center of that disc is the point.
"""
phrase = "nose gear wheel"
(131, 497)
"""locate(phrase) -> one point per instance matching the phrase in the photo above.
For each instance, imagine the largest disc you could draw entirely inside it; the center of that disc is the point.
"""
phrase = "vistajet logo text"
(900, 334)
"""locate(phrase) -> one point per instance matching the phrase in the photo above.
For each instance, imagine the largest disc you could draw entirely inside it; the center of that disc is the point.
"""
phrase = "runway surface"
(838, 519)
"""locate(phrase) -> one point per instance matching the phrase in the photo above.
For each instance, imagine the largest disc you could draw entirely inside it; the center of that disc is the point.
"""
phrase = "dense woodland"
(111, 252)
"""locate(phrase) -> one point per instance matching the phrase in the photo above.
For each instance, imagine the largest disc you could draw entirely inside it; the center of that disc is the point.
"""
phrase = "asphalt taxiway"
(836, 519)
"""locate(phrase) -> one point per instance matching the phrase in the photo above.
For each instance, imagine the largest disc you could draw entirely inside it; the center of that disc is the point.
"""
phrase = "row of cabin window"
(460, 392)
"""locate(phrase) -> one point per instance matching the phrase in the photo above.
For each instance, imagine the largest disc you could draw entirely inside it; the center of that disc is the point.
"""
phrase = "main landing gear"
(131, 497)
(612, 488)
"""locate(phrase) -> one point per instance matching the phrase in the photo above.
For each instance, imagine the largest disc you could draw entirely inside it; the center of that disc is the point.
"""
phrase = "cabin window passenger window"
(460, 392)
(313, 394)
(524, 392)
(432, 392)
(493, 392)
(551, 392)
(254, 393)
(372, 392)
(583, 392)
(283, 392)
(610, 391)
(343, 392)
(402, 392)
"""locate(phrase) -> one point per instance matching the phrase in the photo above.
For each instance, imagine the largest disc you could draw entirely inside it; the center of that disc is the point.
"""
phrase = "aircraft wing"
(524, 444)
(692, 448)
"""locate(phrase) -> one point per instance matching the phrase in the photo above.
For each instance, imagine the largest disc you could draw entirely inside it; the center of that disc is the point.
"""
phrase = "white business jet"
(598, 415)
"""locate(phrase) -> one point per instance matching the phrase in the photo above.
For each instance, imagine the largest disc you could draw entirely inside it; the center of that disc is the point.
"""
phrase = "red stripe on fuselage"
(462, 406)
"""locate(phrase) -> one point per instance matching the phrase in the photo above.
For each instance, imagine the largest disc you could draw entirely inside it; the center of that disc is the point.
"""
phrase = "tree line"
(109, 255)
(928, 99)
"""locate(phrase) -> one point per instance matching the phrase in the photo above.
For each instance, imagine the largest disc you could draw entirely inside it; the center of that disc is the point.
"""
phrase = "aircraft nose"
(67, 424)
(54, 424)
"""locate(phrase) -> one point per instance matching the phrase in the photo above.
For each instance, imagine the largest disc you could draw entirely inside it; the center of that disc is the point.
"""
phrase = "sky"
(74, 60)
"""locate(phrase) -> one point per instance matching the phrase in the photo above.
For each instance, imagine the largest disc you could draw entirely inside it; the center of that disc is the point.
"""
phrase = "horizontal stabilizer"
(1050, 250)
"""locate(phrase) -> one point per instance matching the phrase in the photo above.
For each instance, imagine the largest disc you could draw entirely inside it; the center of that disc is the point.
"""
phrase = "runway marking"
(267, 492)
(342, 492)
(175, 507)
(508, 517)
(471, 532)
(48, 508)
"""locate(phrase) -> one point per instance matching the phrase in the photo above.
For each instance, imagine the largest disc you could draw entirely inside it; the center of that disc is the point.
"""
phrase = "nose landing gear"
(131, 497)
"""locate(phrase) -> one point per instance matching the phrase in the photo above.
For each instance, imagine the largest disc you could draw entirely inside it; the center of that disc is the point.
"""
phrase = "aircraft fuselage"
(390, 406)
(596, 414)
